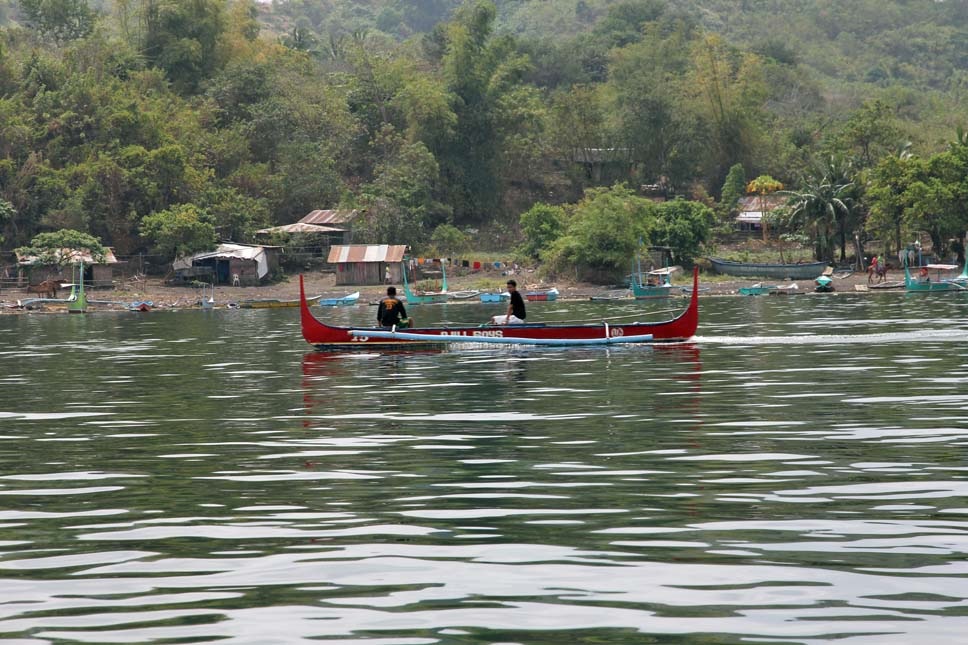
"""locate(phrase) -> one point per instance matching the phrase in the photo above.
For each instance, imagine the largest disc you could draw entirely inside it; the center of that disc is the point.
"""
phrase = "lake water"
(796, 475)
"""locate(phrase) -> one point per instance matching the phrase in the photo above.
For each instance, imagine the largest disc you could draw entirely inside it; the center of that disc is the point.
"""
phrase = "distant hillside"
(917, 43)
(911, 53)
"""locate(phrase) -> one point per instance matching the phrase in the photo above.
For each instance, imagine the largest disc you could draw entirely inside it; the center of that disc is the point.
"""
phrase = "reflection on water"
(795, 475)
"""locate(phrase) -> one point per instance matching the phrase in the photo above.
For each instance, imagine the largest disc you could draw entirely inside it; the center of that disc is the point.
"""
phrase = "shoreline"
(125, 293)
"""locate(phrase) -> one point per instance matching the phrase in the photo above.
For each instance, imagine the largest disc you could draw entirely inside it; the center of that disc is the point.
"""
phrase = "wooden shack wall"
(246, 270)
(273, 261)
(360, 273)
(102, 275)
(95, 275)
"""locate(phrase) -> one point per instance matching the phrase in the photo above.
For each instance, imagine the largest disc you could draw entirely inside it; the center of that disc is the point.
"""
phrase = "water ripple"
(794, 475)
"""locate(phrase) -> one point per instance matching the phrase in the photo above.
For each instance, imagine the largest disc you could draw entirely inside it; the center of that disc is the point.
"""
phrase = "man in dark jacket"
(391, 311)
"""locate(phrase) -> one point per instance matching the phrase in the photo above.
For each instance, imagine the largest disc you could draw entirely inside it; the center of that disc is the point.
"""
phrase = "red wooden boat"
(330, 337)
(541, 295)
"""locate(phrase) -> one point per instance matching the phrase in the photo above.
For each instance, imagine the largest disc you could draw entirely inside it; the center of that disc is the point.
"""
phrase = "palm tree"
(841, 171)
(819, 208)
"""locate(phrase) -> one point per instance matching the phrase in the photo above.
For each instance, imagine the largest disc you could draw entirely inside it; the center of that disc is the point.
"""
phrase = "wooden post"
(763, 224)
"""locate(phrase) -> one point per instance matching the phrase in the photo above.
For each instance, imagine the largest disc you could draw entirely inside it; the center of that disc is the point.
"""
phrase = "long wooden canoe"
(331, 337)
(802, 271)
(273, 303)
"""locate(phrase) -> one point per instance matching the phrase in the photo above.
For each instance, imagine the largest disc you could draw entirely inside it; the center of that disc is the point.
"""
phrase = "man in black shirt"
(391, 311)
(516, 313)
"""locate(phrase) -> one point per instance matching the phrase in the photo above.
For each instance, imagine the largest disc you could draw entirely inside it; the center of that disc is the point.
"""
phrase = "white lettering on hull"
(489, 333)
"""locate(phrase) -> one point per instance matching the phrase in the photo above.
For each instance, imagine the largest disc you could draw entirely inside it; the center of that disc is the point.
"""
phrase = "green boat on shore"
(757, 290)
(425, 297)
(657, 283)
(923, 282)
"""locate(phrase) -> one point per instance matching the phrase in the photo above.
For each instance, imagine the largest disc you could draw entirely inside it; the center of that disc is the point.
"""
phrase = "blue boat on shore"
(342, 301)
(495, 297)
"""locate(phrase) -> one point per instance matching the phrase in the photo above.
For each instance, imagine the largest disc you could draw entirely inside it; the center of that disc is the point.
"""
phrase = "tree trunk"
(843, 241)
(763, 224)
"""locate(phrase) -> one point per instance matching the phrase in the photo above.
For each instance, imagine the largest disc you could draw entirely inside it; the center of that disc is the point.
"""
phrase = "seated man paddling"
(391, 312)
(516, 313)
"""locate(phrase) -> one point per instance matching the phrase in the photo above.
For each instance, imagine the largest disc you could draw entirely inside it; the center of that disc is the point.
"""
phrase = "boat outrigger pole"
(77, 302)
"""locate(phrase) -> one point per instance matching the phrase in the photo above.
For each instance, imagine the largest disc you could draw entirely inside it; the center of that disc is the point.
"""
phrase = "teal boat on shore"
(757, 290)
(657, 284)
(425, 297)
(923, 282)
(77, 302)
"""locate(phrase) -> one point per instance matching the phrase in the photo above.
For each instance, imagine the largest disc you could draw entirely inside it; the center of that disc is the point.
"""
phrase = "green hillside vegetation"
(164, 126)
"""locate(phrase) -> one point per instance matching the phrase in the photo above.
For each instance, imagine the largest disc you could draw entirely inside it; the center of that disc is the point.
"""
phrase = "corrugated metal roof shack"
(362, 264)
(335, 220)
(234, 264)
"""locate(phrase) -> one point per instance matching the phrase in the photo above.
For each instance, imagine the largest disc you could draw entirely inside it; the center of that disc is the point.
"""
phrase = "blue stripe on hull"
(500, 340)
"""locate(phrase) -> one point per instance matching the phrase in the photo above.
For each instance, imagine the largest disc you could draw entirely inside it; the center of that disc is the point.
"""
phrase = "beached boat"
(772, 290)
(208, 303)
(923, 282)
(757, 290)
(612, 295)
(329, 337)
(466, 294)
(495, 297)
(341, 301)
(77, 301)
(272, 303)
(788, 289)
(541, 295)
(899, 284)
(424, 297)
(657, 283)
(801, 271)
(687, 290)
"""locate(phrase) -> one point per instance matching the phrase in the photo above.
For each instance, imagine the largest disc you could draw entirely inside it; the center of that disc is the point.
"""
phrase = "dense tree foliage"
(683, 226)
(49, 248)
(609, 226)
(181, 230)
(7, 214)
(915, 195)
(734, 187)
(60, 20)
(165, 125)
(541, 226)
(603, 232)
